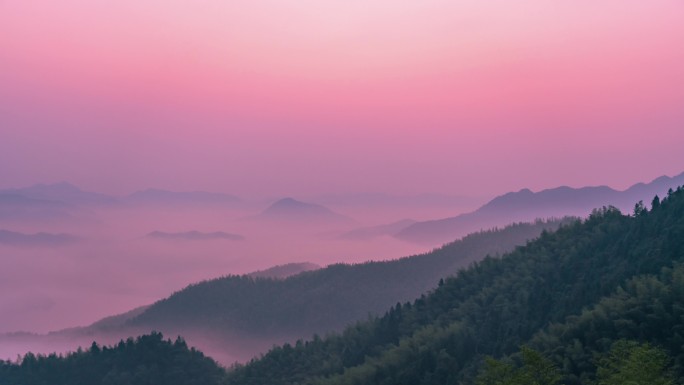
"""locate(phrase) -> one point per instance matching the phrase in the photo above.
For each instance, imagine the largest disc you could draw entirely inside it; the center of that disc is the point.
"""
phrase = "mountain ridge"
(295, 211)
(499, 304)
(525, 205)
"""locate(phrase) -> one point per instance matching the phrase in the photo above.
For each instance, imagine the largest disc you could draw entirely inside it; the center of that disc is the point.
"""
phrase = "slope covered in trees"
(647, 309)
(326, 299)
(627, 362)
(498, 305)
(598, 301)
(149, 359)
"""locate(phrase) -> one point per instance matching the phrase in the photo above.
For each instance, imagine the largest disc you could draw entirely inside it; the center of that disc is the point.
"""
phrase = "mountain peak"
(290, 209)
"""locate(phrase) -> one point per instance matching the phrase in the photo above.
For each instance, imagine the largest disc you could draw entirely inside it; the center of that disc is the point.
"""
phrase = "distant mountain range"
(69, 194)
(63, 201)
(526, 205)
(195, 236)
(11, 238)
(297, 212)
(62, 192)
(16, 207)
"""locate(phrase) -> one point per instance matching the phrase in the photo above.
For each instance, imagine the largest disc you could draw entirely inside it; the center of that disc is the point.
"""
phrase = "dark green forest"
(326, 299)
(599, 301)
(146, 360)
(500, 304)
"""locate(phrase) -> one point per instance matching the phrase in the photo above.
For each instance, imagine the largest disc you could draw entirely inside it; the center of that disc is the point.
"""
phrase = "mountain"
(11, 238)
(195, 236)
(251, 309)
(526, 205)
(148, 359)
(294, 211)
(285, 271)
(572, 294)
(597, 299)
(237, 317)
(15, 207)
(165, 197)
(113, 322)
(370, 232)
(50, 203)
(62, 192)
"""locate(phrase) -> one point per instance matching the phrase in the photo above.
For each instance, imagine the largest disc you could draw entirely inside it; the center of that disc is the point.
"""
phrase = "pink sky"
(268, 97)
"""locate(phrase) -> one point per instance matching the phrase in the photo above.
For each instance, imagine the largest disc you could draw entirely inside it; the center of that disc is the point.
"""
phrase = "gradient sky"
(264, 97)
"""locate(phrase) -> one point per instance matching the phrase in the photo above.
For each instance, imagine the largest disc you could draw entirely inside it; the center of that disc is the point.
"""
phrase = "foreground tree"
(535, 370)
(631, 363)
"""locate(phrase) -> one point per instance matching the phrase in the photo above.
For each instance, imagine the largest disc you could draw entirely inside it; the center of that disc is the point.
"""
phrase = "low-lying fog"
(114, 265)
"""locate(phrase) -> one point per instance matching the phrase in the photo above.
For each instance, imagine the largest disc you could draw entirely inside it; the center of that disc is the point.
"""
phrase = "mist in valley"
(116, 260)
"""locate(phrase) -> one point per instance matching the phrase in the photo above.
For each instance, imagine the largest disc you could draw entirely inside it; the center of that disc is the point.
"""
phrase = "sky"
(275, 97)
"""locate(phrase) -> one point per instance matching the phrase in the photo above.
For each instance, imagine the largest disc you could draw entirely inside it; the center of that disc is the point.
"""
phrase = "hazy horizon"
(400, 97)
(113, 255)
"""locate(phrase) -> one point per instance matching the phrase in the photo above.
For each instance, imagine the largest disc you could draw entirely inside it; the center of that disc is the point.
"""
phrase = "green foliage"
(631, 363)
(497, 373)
(640, 209)
(646, 308)
(146, 360)
(568, 295)
(535, 370)
(501, 303)
(627, 363)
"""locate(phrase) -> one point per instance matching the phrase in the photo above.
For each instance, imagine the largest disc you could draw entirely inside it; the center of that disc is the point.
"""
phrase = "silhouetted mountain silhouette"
(526, 205)
(291, 210)
(12, 238)
(16, 207)
(62, 192)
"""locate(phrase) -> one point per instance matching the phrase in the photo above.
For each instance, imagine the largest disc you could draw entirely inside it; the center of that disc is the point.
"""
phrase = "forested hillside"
(326, 299)
(500, 304)
(648, 308)
(599, 301)
(146, 360)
